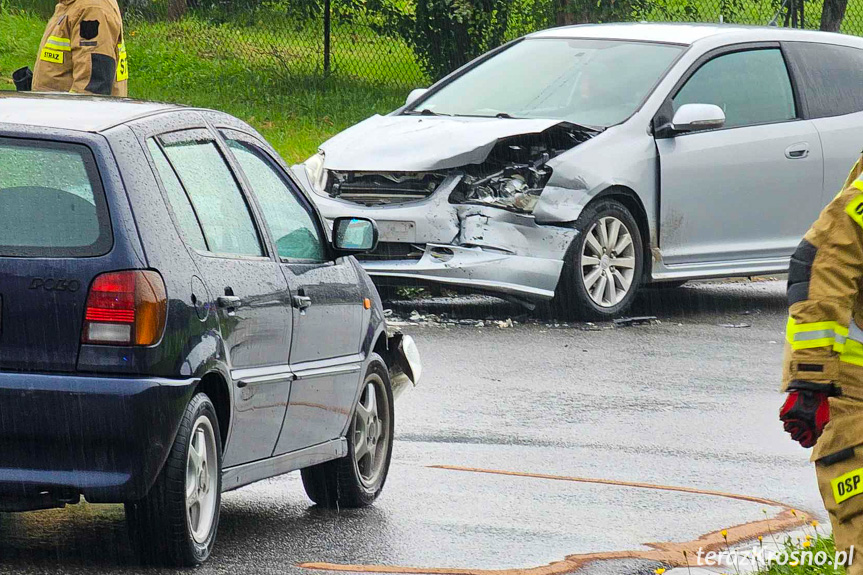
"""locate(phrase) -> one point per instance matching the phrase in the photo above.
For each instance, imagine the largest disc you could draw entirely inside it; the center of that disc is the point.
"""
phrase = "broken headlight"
(516, 188)
(317, 174)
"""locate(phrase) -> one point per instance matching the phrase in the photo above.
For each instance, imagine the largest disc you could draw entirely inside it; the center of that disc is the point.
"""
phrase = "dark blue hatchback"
(175, 321)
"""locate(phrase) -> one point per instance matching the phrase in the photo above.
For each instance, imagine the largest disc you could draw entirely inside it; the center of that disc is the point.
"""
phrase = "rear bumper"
(105, 438)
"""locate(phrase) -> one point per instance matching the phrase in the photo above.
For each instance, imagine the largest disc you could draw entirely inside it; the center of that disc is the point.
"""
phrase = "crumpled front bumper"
(478, 268)
(476, 247)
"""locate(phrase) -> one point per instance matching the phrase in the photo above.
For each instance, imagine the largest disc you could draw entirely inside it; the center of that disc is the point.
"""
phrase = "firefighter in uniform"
(823, 365)
(82, 50)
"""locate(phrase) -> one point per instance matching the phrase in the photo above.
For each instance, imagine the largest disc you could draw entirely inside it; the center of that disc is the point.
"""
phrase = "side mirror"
(354, 235)
(415, 95)
(697, 117)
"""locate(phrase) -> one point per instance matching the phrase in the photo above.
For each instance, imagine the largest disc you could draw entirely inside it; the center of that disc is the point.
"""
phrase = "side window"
(178, 199)
(830, 76)
(751, 87)
(225, 218)
(292, 226)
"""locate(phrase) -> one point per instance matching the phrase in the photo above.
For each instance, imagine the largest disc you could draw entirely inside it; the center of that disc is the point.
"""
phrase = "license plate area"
(396, 231)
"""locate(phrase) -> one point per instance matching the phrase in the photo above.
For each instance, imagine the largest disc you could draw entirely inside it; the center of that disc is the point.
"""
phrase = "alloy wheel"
(608, 261)
(371, 431)
(201, 480)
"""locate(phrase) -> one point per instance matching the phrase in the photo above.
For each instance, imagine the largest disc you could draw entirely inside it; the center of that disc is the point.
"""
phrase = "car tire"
(164, 527)
(357, 479)
(591, 262)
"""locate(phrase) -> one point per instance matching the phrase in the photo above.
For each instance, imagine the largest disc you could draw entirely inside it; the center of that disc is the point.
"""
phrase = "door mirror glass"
(415, 95)
(354, 235)
(697, 117)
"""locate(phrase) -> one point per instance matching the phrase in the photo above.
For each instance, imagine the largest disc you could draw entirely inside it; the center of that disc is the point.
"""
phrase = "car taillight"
(126, 308)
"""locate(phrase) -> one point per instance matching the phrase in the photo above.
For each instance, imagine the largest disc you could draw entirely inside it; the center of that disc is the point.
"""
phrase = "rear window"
(51, 201)
(831, 77)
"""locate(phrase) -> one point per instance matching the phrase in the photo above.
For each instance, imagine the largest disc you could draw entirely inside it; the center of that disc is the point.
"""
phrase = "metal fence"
(375, 41)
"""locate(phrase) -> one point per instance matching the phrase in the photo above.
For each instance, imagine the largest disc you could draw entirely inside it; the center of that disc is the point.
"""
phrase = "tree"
(592, 11)
(176, 9)
(446, 34)
(833, 14)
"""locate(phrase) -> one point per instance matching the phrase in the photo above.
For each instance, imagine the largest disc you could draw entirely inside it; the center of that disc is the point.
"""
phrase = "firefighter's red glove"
(804, 415)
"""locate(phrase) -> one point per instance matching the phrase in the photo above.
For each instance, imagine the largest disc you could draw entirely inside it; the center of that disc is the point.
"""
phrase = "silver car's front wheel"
(608, 261)
(603, 267)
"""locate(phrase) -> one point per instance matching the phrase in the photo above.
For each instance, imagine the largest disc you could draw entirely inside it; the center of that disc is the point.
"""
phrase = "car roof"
(73, 111)
(688, 34)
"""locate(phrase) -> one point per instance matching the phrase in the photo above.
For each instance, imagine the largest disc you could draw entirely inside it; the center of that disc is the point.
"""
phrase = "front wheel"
(603, 266)
(176, 523)
(358, 479)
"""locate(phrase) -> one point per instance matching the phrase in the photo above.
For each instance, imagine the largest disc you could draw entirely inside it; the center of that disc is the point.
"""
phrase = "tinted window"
(224, 215)
(51, 201)
(178, 199)
(752, 87)
(290, 223)
(830, 76)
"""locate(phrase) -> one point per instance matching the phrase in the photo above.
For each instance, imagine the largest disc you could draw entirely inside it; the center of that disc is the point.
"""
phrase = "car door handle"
(229, 301)
(302, 302)
(797, 151)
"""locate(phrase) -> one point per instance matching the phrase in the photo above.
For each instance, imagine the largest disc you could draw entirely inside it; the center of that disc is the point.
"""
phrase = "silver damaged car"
(577, 164)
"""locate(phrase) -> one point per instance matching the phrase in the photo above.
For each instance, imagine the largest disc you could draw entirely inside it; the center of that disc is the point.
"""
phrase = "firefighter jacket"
(825, 326)
(83, 50)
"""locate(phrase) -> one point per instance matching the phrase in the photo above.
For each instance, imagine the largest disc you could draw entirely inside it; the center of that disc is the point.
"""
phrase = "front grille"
(383, 189)
(394, 251)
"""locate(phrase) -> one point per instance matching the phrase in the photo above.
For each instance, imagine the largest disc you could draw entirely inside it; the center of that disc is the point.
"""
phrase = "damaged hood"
(422, 143)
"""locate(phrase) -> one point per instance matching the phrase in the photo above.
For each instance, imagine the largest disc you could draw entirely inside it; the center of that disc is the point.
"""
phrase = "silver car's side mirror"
(415, 95)
(697, 117)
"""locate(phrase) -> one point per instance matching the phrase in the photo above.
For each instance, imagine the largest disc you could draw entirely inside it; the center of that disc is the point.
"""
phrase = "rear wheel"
(176, 523)
(358, 479)
(603, 266)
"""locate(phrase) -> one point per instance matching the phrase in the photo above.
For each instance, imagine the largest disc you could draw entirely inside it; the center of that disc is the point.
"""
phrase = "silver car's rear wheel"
(608, 261)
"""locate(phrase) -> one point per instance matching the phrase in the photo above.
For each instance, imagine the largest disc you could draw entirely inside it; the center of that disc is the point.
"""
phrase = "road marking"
(668, 553)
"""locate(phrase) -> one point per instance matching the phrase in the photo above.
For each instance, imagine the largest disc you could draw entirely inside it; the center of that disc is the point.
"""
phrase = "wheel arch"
(216, 387)
(632, 202)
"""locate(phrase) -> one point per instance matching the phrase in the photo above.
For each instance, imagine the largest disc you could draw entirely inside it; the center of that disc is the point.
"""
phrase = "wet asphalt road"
(687, 402)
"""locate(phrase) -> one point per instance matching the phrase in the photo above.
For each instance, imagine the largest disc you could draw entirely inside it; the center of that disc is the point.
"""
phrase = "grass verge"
(245, 73)
(803, 558)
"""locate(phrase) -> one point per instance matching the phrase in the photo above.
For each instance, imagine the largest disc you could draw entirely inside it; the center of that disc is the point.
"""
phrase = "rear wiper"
(504, 115)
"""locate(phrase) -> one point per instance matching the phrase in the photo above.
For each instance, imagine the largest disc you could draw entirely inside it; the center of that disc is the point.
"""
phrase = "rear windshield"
(51, 201)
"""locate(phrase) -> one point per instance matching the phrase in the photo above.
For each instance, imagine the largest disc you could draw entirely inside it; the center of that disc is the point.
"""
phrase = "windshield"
(589, 82)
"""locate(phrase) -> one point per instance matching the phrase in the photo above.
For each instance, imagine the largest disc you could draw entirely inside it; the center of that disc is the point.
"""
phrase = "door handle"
(797, 151)
(302, 302)
(229, 301)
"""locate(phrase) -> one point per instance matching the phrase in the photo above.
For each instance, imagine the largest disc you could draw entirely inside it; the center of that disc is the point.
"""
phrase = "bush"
(446, 34)
(589, 12)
